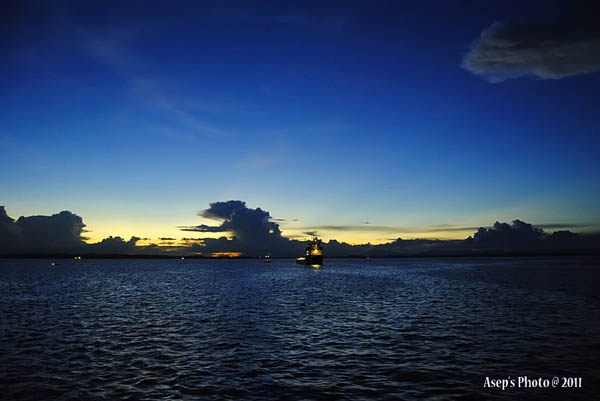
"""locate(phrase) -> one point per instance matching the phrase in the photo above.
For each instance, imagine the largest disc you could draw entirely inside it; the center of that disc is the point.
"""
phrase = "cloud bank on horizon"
(58, 233)
(253, 233)
(546, 49)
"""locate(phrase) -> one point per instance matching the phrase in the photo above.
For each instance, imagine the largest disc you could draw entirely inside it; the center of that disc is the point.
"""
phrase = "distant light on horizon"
(226, 254)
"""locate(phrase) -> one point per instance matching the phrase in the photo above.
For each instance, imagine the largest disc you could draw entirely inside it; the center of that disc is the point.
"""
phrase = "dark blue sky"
(333, 113)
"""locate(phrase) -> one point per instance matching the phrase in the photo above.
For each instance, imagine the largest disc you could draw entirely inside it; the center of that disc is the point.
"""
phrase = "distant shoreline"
(482, 254)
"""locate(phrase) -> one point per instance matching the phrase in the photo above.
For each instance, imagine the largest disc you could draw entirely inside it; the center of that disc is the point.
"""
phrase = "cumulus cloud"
(253, 231)
(10, 234)
(396, 247)
(4, 218)
(503, 235)
(222, 210)
(547, 49)
(524, 236)
(60, 232)
(254, 234)
(115, 245)
(247, 224)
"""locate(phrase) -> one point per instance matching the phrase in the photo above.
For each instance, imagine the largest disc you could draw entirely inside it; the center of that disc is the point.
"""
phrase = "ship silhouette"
(313, 255)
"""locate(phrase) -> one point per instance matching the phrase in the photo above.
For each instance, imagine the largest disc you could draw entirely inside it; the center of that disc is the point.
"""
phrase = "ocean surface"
(394, 329)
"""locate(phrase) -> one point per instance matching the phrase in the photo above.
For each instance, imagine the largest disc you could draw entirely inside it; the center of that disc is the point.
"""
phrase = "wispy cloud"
(282, 15)
(189, 120)
(564, 225)
(358, 227)
(112, 46)
(150, 92)
(425, 230)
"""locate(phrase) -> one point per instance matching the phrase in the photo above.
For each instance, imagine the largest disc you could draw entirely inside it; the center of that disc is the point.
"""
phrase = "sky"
(357, 121)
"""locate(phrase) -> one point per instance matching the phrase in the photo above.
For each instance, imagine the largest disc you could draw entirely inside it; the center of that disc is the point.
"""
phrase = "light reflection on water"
(241, 329)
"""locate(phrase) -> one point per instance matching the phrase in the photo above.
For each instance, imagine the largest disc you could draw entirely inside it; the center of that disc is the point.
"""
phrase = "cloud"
(503, 235)
(222, 210)
(57, 233)
(113, 45)
(281, 13)
(4, 218)
(253, 231)
(166, 239)
(524, 236)
(361, 227)
(452, 227)
(10, 234)
(191, 239)
(120, 246)
(547, 49)
(247, 224)
(254, 234)
(189, 120)
(565, 225)
(115, 245)
(151, 92)
(368, 227)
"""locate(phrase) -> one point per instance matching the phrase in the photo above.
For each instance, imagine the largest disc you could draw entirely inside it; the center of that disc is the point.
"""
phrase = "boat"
(313, 255)
(267, 259)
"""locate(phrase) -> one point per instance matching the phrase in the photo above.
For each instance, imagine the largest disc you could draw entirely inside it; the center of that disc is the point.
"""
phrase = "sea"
(353, 329)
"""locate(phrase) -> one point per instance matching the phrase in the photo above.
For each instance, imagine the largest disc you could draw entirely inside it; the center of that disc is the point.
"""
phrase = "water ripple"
(377, 329)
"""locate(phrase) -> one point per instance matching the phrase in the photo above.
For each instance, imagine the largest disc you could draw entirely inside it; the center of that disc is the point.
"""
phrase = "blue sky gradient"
(137, 116)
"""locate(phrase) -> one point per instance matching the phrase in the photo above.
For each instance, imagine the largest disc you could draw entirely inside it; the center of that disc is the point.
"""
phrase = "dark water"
(355, 329)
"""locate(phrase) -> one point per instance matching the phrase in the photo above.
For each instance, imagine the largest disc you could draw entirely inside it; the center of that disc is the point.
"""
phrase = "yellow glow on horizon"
(148, 232)
(151, 233)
